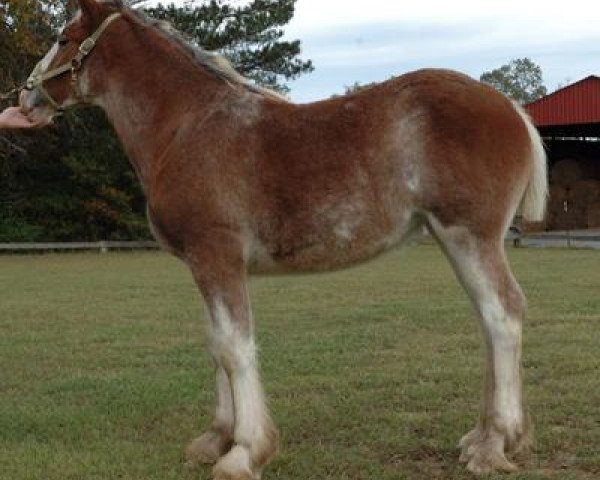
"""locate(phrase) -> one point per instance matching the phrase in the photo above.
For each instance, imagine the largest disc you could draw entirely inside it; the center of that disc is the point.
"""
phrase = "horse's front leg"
(217, 441)
(243, 432)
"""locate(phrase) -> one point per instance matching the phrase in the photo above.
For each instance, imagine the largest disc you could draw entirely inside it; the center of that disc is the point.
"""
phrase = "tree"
(26, 26)
(521, 79)
(249, 36)
(26, 30)
(359, 87)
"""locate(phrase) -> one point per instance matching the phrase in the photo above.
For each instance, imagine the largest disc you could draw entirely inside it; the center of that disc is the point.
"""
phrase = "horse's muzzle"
(30, 100)
(33, 104)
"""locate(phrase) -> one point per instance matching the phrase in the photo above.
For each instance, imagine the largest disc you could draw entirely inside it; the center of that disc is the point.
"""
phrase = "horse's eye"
(62, 41)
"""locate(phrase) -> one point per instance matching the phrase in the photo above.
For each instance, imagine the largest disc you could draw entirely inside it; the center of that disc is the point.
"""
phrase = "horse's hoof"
(236, 465)
(483, 452)
(483, 462)
(207, 448)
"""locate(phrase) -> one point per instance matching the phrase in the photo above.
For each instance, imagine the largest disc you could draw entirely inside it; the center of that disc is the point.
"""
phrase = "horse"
(241, 181)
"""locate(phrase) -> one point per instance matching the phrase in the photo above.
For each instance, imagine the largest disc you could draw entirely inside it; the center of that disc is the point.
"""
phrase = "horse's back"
(344, 178)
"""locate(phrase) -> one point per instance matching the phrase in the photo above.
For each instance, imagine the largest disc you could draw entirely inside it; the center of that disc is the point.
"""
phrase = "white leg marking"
(237, 353)
(504, 335)
(502, 331)
(224, 416)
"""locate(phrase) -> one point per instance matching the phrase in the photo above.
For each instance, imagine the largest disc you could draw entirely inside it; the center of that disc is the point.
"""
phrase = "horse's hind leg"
(481, 265)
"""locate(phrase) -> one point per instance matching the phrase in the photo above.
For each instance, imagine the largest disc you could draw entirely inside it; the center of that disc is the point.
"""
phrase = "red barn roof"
(578, 103)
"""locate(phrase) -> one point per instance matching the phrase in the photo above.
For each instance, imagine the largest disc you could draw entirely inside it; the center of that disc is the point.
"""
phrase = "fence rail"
(102, 247)
(579, 239)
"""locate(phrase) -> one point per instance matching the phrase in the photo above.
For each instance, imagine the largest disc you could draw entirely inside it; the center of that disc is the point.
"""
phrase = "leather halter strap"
(37, 77)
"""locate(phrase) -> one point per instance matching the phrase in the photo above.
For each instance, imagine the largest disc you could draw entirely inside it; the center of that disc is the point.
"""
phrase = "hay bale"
(593, 216)
(574, 218)
(585, 192)
(568, 171)
(558, 194)
(581, 194)
(556, 206)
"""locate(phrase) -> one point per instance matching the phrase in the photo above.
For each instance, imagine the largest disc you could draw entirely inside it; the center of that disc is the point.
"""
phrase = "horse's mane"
(214, 63)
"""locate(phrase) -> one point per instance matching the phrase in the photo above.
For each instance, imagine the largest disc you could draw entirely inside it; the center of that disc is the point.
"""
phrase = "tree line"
(73, 181)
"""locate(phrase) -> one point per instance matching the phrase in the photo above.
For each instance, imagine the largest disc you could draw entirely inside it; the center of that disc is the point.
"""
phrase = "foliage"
(56, 182)
(18, 230)
(73, 181)
(521, 79)
(51, 181)
(357, 87)
(249, 35)
(26, 27)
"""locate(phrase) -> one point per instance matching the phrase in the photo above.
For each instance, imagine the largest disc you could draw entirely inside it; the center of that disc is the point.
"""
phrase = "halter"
(37, 78)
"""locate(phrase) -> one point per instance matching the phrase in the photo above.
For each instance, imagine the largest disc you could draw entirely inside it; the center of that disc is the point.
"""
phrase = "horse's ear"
(89, 7)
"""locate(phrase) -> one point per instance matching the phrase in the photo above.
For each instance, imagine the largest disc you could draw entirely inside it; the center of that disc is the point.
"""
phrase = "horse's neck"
(150, 98)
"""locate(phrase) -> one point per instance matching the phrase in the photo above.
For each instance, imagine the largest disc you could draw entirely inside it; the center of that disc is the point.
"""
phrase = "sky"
(364, 41)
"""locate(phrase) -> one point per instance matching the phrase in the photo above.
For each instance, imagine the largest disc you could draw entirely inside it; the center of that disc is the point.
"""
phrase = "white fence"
(556, 239)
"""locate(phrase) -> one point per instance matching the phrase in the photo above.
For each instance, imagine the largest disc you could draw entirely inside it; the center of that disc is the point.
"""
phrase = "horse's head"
(67, 74)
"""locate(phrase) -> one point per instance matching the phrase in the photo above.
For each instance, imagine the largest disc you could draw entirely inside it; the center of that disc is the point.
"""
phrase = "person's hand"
(13, 117)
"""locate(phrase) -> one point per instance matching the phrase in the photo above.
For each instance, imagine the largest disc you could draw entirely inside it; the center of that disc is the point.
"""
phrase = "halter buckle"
(87, 46)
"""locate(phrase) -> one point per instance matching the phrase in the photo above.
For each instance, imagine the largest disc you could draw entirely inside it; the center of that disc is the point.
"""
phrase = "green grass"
(372, 373)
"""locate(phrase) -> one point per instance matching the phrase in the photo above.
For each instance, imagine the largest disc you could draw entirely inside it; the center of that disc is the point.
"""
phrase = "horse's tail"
(533, 206)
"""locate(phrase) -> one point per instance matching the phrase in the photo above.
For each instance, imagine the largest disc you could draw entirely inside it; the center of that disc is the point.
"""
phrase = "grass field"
(372, 373)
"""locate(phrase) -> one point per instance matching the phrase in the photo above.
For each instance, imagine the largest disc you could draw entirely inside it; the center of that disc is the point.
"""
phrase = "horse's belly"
(336, 249)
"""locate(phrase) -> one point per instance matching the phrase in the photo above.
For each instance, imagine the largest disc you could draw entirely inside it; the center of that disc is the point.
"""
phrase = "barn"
(569, 122)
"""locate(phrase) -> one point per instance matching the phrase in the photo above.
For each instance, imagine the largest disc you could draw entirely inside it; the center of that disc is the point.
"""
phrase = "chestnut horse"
(239, 181)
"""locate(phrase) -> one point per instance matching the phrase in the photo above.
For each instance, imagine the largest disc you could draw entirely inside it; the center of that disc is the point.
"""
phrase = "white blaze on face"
(32, 101)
